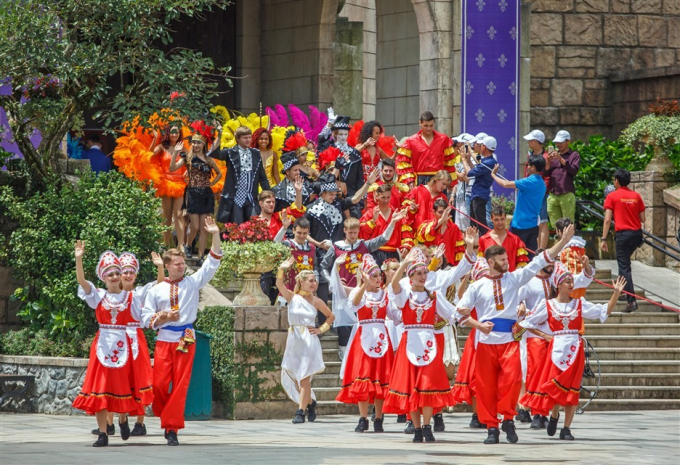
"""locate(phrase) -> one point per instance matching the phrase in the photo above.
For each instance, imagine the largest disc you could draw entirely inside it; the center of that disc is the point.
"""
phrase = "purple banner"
(490, 90)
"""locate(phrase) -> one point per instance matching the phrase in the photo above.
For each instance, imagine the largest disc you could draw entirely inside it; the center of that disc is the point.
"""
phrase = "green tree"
(62, 58)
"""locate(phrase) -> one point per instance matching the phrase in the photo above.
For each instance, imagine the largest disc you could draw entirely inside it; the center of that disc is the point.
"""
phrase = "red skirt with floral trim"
(366, 378)
(464, 386)
(106, 388)
(413, 387)
(556, 386)
(143, 373)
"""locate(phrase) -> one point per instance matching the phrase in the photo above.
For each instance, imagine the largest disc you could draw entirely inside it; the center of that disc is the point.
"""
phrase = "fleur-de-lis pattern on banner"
(491, 76)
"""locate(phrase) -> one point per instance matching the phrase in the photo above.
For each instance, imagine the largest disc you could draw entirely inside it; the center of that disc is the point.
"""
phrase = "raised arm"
(361, 193)
(174, 163)
(502, 182)
(80, 272)
(158, 261)
(285, 266)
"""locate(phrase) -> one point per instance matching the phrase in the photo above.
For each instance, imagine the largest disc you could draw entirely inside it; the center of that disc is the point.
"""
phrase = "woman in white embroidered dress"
(560, 378)
(303, 357)
(109, 380)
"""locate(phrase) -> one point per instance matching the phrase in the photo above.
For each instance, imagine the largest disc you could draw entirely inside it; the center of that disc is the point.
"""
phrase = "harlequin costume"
(174, 354)
(561, 375)
(367, 365)
(416, 158)
(517, 252)
(498, 372)
(141, 360)
(110, 382)
(429, 235)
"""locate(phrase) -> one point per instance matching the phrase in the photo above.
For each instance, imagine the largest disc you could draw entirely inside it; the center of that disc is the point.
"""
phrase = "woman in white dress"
(303, 357)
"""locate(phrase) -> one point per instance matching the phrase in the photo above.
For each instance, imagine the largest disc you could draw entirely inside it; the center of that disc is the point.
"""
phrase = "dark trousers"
(478, 213)
(323, 294)
(529, 237)
(240, 215)
(626, 243)
(268, 286)
(344, 332)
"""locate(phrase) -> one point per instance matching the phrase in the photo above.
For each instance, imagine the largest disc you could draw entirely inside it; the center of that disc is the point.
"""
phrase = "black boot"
(102, 440)
(138, 430)
(299, 416)
(544, 422)
(409, 429)
(401, 418)
(378, 425)
(110, 430)
(124, 430)
(509, 427)
(362, 426)
(552, 425)
(565, 433)
(474, 423)
(523, 416)
(172, 438)
(311, 411)
(536, 422)
(418, 435)
(438, 423)
(493, 437)
(427, 433)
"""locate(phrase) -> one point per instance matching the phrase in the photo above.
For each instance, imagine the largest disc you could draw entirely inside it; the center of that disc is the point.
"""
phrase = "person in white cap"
(563, 168)
(461, 193)
(536, 140)
(481, 190)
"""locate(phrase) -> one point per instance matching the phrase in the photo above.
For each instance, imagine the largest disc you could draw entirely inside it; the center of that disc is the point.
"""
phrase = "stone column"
(248, 51)
(524, 85)
(650, 185)
(348, 59)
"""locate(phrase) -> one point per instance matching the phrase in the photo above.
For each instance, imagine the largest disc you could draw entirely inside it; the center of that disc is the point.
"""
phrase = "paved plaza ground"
(644, 437)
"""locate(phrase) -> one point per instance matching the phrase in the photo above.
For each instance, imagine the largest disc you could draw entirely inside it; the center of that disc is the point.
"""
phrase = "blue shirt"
(99, 162)
(483, 180)
(530, 193)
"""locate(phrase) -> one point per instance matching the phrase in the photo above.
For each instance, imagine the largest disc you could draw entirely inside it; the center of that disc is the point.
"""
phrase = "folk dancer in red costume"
(442, 230)
(425, 153)
(464, 388)
(367, 367)
(533, 347)
(419, 384)
(499, 235)
(421, 199)
(560, 383)
(303, 357)
(171, 308)
(388, 177)
(377, 219)
(110, 384)
(498, 371)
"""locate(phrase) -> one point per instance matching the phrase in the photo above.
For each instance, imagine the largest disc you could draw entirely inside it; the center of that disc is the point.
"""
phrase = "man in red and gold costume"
(442, 230)
(499, 235)
(388, 176)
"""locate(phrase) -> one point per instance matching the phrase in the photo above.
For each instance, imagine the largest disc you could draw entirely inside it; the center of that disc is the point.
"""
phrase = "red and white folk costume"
(109, 381)
(562, 372)
(174, 354)
(367, 365)
(419, 376)
(141, 360)
(498, 372)
(517, 252)
(464, 386)
(534, 295)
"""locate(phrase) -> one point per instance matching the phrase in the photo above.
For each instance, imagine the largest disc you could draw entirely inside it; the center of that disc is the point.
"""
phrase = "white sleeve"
(148, 310)
(445, 309)
(142, 291)
(523, 275)
(594, 311)
(394, 313)
(350, 298)
(94, 297)
(582, 280)
(400, 299)
(535, 317)
(136, 307)
(206, 272)
(446, 278)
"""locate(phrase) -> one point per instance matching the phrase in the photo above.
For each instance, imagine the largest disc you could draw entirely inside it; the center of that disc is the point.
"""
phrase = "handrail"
(586, 204)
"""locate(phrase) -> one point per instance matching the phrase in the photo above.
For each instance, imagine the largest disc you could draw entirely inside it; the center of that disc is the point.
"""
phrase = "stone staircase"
(639, 356)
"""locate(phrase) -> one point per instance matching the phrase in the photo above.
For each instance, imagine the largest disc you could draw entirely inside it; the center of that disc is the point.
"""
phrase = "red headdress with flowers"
(129, 262)
(420, 261)
(202, 131)
(108, 262)
(296, 141)
(479, 269)
(328, 157)
(369, 265)
(560, 273)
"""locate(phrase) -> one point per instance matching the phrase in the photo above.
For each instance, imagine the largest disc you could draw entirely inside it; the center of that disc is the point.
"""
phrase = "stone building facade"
(392, 59)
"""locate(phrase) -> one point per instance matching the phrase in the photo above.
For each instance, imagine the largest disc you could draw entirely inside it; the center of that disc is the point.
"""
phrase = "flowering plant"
(659, 129)
(42, 87)
(248, 248)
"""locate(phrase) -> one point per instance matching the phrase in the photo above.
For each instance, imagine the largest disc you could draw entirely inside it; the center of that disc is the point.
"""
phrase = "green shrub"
(107, 211)
(218, 322)
(29, 342)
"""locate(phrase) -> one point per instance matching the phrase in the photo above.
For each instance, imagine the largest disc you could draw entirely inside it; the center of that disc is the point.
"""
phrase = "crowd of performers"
(377, 228)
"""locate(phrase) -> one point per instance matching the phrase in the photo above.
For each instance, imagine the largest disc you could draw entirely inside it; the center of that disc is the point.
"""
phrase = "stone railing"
(671, 198)
(57, 383)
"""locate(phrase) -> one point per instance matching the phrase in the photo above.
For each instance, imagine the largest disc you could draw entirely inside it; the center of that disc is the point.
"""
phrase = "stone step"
(631, 329)
(639, 366)
(326, 380)
(635, 379)
(618, 405)
(636, 392)
(646, 317)
(602, 273)
(619, 341)
(640, 353)
(332, 368)
(643, 306)
(594, 294)
(329, 342)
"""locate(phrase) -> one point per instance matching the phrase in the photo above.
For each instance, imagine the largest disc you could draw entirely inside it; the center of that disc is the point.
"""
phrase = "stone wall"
(650, 185)
(57, 383)
(577, 44)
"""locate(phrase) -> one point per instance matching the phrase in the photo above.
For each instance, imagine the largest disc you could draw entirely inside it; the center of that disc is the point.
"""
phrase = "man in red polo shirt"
(628, 211)
(425, 153)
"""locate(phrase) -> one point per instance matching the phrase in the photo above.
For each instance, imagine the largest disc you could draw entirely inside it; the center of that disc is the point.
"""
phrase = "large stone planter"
(251, 295)
(660, 162)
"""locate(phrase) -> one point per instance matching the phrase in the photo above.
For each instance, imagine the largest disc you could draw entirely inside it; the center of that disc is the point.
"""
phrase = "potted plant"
(659, 129)
(248, 251)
